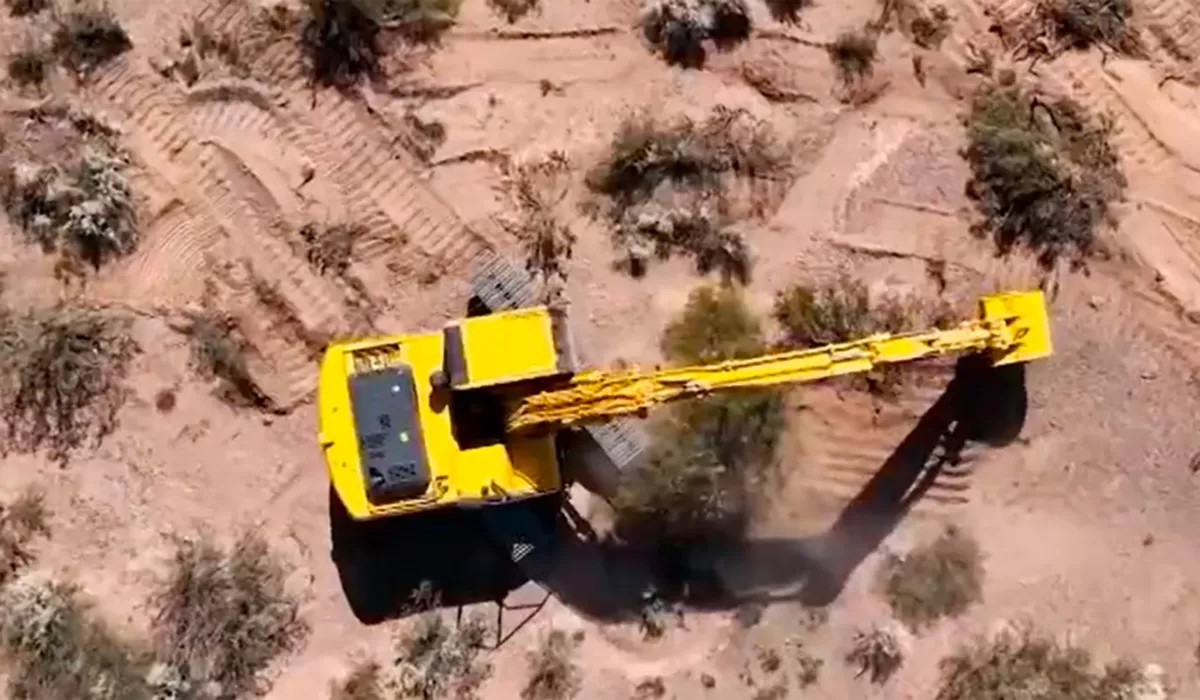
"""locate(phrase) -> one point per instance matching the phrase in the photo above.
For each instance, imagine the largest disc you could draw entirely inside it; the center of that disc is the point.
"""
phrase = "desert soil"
(1087, 521)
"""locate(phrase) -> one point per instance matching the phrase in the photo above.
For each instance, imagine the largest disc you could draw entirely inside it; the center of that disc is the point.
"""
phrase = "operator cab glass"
(393, 460)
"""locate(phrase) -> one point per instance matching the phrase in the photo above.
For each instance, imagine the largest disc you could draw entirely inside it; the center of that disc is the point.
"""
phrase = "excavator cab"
(415, 422)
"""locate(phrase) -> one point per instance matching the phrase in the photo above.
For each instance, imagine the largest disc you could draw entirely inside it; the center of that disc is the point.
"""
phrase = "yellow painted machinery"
(467, 415)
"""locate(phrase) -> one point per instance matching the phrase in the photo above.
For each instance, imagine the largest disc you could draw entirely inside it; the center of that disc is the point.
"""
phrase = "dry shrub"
(514, 10)
(86, 212)
(422, 138)
(710, 454)
(59, 650)
(222, 616)
(63, 378)
(842, 310)
(853, 54)
(218, 352)
(20, 522)
(650, 689)
(29, 64)
(809, 668)
(941, 579)
(536, 189)
(930, 29)
(420, 21)
(1080, 24)
(1042, 173)
(876, 654)
(89, 35)
(1019, 665)
(679, 29)
(365, 682)
(553, 675)
(663, 187)
(787, 11)
(435, 661)
(341, 39)
(24, 8)
(328, 249)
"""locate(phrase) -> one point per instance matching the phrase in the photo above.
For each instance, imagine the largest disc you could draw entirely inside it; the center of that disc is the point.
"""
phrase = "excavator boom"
(1012, 327)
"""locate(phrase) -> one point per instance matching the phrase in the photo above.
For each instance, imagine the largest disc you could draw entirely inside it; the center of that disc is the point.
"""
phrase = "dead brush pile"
(1043, 173)
(1019, 664)
(437, 661)
(875, 653)
(218, 353)
(222, 616)
(939, 580)
(679, 29)
(711, 456)
(664, 188)
(63, 378)
(88, 36)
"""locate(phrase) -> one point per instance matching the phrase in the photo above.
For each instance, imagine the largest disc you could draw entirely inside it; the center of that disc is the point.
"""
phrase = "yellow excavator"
(467, 415)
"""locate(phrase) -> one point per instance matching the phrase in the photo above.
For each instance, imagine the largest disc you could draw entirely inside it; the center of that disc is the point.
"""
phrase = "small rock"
(708, 681)
(1147, 540)
(268, 420)
(1096, 301)
(1149, 374)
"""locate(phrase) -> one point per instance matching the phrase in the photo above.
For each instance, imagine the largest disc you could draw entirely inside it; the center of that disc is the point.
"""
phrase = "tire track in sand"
(162, 134)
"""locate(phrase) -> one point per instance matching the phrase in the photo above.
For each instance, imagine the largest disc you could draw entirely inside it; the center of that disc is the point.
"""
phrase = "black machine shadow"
(452, 551)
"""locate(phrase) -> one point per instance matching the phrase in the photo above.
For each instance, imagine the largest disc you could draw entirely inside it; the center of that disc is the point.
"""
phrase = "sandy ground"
(1087, 521)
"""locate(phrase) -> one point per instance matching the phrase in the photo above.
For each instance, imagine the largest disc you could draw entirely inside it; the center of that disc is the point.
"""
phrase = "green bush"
(710, 453)
(20, 522)
(1081, 24)
(1015, 666)
(1045, 186)
(941, 579)
(63, 378)
(341, 39)
(222, 616)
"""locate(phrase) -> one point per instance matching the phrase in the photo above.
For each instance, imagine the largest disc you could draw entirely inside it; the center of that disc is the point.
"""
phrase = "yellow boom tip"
(1025, 314)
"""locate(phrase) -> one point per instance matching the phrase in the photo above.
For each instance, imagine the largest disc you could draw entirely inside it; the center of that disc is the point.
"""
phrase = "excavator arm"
(1011, 327)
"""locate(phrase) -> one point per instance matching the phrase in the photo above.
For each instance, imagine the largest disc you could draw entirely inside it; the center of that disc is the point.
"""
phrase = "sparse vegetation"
(24, 8)
(679, 29)
(1079, 24)
(1018, 665)
(940, 579)
(221, 616)
(553, 675)
(809, 668)
(89, 35)
(435, 661)
(421, 21)
(711, 453)
(328, 249)
(1043, 173)
(663, 188)
(63, 378)
(536, 189)
(218, 351)
(59, 649)
(164, 400)
(650, 689)
(514, 10)
(876, 654)
(853, 54)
